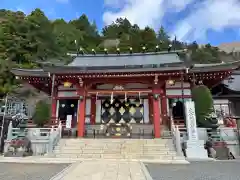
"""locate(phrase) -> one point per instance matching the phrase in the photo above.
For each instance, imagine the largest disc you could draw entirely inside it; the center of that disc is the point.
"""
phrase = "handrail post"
(178, 141)
(10, 131)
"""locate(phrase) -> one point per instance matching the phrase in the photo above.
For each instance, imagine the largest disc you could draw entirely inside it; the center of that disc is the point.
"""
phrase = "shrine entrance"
(122, 113)
(67, 111)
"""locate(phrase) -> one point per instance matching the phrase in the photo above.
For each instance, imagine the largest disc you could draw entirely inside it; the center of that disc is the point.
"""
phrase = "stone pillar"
(81, 111)
(93, 110)
(156, 112)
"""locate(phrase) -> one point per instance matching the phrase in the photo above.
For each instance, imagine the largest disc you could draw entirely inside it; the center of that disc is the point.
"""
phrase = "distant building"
(233, 47)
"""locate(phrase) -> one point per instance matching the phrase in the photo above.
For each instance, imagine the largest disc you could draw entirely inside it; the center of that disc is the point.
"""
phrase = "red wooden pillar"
(156, 112)
(53, 107)
(93, 110)
(164, 107)
(81, 112)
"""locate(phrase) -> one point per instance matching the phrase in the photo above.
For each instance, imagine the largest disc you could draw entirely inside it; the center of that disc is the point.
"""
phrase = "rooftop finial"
(118, 51)
(157, 48)
(105, 51)
(93, 51)
(130, 50)
(81, 51)
(169, 47)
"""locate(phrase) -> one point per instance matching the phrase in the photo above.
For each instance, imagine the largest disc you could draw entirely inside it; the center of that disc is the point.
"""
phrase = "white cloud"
(210, 15)
(142, 12)
(206, 15)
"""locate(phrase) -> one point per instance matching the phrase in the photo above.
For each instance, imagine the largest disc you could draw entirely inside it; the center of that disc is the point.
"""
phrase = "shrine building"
(134, 89)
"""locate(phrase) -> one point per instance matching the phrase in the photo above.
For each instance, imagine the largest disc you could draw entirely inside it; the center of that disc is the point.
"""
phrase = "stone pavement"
(215, 170)
(29, 171)
(83, 169)
(105, 170)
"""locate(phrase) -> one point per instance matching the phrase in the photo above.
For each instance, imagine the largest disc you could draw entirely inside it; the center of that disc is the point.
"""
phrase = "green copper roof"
(157, 58)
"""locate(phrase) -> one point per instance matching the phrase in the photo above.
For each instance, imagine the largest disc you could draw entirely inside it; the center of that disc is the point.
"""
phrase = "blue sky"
(214, 21)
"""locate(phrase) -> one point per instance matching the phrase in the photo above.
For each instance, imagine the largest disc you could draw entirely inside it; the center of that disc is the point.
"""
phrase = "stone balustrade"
(43, 140)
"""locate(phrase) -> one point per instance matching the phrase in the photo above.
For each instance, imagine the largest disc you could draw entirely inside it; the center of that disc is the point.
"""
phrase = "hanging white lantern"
(112, 98)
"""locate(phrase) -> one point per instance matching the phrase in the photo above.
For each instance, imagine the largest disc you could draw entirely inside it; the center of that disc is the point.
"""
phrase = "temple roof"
(124, 63)
(30, 72)
(125, 59)
(215, 67)
(234, 85)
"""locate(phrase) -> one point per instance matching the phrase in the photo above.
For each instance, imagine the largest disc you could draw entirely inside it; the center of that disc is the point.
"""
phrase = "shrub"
(202, 97)
(42, 113)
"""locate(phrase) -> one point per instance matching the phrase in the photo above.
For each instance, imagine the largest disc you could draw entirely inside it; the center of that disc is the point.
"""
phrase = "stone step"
(114, 140)
(113, 156)
(116, 146)
(122, 147)
(117, 143)
(117, 153)
(116, 149)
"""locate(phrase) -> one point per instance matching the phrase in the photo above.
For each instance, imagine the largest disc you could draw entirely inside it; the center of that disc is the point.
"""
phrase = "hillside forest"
(28, 41)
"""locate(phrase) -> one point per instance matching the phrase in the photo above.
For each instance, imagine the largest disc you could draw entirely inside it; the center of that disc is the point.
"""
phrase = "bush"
(42, 113)
(202, 97)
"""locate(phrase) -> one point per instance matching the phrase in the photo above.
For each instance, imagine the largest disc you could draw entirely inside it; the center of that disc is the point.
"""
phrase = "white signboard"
(191, 123)
(69, 122)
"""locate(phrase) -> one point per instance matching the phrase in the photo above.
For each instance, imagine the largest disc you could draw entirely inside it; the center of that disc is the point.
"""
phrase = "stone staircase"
(126, 149)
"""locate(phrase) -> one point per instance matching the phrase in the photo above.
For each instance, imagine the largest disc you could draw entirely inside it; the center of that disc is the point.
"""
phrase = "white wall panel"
(88, 110)
(177, 92)
(146, 110)
(178, 85)
(98, 111)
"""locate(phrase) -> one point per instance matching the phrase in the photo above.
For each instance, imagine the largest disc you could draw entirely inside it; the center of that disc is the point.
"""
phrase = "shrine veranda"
(121, 89)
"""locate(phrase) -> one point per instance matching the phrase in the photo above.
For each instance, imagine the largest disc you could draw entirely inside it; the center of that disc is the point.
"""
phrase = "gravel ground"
(14, 171)
(229, 170)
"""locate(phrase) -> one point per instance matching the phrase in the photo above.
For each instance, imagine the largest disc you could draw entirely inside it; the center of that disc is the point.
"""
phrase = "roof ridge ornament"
(118, 51)
(105, 51)
(93, 52)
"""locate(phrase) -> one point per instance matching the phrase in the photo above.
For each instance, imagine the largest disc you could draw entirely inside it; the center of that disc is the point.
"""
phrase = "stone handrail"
(43, 140)
(176, 137)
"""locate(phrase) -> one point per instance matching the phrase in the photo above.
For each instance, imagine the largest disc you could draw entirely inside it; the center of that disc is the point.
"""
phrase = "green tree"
(42, 113)
(202, 97)
(42, 40)
(89, 33)
(163, 38)
(148, 38)
(26, 41)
